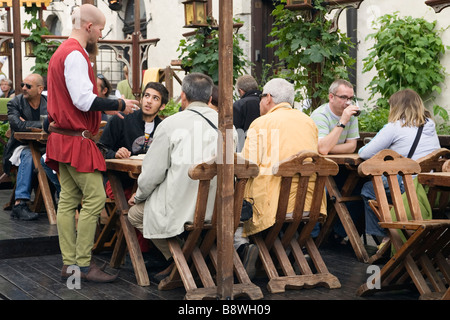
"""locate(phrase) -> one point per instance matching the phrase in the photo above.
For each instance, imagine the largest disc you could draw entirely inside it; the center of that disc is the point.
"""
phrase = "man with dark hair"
(133, 135)
(246, 109)
(24, 112)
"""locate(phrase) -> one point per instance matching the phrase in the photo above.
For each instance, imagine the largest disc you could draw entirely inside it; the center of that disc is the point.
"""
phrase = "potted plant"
(35, 45)
(406, 54)
(313, 56)
(200, 52)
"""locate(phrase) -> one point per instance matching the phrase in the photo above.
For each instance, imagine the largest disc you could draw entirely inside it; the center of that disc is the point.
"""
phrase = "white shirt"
(76, 73)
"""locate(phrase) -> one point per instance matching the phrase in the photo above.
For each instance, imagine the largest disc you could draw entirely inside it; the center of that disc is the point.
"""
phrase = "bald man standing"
(74, 112)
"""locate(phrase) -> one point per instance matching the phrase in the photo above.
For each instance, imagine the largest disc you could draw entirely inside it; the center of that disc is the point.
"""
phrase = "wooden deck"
(30, 264)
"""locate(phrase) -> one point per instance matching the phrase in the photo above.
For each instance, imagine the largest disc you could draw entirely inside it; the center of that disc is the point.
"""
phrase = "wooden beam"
(17, 47)
(225, 177)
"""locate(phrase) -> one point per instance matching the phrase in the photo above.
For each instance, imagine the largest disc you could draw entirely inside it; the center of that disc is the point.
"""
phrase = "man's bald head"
(88, 22)
(85, 14)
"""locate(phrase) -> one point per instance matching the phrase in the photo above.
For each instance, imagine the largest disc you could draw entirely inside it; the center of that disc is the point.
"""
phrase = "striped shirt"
(326, 120)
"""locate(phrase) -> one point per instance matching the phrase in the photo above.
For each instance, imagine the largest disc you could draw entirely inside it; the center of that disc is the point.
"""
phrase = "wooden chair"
(435, 162)
(191, 258)
(419, 245)
(287, 238)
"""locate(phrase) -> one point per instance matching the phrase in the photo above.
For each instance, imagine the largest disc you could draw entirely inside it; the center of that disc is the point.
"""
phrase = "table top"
(132, 166)
(346, 158)
(435, 179)
(40, 135)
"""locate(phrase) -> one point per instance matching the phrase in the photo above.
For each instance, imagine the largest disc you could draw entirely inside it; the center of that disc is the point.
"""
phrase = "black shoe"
(249, 254)
(22, 212)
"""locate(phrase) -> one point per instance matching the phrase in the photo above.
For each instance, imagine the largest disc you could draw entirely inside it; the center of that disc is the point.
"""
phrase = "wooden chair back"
(199, 247)
(291, 234)
(419, 244)
(439, 198)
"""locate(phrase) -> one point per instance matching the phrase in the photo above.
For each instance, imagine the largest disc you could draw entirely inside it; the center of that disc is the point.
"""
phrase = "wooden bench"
(289, 235)
(191, 259)
(421, 246)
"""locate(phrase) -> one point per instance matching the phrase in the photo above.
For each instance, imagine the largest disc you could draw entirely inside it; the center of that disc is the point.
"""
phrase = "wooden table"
(35, 140)
(126, 234)
(339, 197)
(435, 179)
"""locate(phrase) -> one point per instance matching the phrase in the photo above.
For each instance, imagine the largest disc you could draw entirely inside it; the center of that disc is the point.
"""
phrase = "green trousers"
(76, 240)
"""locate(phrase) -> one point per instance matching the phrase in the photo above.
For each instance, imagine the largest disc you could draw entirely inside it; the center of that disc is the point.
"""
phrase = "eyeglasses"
(29, 86)
(345, 97)
(100, 76)
(262, 95)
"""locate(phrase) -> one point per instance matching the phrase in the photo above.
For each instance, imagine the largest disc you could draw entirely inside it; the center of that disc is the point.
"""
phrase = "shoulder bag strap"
(416, 141)
(209, 121)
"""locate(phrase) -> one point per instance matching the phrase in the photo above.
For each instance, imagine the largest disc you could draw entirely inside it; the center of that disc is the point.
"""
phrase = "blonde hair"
(407, 105)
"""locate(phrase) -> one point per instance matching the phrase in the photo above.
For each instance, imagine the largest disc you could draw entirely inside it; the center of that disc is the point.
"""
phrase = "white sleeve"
(76, 73)
(382, 140)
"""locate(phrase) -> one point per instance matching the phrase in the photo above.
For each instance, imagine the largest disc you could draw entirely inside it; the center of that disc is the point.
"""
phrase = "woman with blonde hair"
(408, 121)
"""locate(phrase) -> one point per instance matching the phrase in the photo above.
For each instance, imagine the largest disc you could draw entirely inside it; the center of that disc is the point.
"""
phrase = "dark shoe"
(22, 212)
(65, 274)
(96, 274)
(249, 254)
(158, 276)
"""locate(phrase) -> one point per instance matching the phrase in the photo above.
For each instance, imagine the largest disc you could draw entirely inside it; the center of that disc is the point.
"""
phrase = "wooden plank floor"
(30, 265)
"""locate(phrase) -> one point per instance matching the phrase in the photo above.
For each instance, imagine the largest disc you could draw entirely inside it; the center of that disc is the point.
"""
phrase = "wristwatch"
(339, 124)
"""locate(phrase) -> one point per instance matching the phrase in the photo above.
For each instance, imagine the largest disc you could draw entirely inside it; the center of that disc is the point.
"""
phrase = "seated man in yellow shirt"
(279, 133)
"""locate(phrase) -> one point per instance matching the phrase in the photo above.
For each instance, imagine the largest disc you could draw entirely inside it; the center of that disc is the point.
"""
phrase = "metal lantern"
(29, 48)
(115, 5)
(299, 4)
(195, 14)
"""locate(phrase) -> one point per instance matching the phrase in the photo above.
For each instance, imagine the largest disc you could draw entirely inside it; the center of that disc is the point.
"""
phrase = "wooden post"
(17, 47)
(225, 176)
(136, 53)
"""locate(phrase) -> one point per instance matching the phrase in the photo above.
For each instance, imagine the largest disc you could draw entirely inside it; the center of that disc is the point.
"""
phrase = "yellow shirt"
(273, 137)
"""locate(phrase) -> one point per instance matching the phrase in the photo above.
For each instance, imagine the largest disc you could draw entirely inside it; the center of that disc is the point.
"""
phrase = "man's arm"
(81, 90)
(328, 144)
(16, 120)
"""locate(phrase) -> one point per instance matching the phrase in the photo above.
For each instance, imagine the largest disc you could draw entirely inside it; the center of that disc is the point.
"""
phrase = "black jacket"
(128, 132)
(246, 109)
(19, 107)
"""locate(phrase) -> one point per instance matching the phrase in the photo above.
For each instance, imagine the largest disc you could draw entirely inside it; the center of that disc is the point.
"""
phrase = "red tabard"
(82, 154)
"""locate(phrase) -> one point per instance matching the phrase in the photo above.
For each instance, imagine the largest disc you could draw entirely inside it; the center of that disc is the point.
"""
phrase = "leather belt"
(85, 133)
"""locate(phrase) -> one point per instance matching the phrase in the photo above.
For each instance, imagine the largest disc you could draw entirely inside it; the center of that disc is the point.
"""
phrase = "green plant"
(441, 118)
(3, 128)
(406, 54)
(171, 108)
(314, 57)
(43, 49)
(200, 53)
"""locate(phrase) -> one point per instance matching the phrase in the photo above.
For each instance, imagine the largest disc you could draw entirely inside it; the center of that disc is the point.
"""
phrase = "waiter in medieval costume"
(74, 113)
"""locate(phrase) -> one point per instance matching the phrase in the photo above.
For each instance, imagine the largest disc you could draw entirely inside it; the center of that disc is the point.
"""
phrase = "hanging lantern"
(5, 49)
(195, 14)
(29, 48)
(115, 5)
